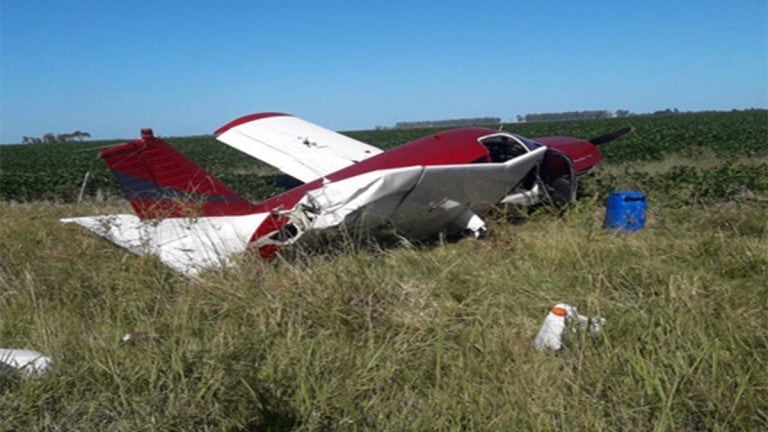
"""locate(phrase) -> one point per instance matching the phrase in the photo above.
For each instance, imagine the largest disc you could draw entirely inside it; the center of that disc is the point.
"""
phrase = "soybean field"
(735, 143)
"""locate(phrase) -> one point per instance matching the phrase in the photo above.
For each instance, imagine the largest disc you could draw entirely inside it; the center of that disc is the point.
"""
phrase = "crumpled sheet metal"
(418, 200)
(379, 192)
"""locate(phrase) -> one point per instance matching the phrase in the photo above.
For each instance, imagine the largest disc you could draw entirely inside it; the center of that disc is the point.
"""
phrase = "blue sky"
(187, 67)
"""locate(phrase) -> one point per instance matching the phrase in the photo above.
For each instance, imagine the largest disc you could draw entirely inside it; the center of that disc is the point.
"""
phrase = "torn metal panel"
(187, 245)
(528, 197)
(418, 201)
(446, 191)
(469, 221)
(378, 192)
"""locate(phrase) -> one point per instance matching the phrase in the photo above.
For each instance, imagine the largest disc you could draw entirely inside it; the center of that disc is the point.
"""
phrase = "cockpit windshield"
(504, 146)
(531, 144)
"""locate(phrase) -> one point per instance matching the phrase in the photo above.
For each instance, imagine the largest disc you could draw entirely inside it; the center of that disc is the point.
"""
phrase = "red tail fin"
(160, 182)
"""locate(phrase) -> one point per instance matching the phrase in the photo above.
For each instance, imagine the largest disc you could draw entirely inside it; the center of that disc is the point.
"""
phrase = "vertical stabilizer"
(160, 182)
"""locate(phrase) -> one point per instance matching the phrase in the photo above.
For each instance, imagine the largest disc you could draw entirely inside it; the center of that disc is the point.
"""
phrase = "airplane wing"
(296, 147)
(446, 195)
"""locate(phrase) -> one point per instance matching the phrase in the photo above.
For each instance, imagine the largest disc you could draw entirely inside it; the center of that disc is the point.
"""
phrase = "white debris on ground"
(27, 362)
(561, 316)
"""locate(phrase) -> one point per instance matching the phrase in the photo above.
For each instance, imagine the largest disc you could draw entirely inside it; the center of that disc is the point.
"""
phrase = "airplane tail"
(160, 182)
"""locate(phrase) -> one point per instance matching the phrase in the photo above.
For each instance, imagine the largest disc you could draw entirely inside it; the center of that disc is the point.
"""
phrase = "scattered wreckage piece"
(560, 317)
(26, 362)
(443, 182)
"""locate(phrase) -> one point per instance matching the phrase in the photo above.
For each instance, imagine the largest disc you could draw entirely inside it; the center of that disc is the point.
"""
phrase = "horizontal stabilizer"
(187, 245)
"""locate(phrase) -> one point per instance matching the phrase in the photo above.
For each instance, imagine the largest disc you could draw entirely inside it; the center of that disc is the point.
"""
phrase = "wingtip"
(247, 118)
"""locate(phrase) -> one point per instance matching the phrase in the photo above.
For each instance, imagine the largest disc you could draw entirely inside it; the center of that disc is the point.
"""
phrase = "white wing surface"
(187, 245)
(445, 192)
(296, 147)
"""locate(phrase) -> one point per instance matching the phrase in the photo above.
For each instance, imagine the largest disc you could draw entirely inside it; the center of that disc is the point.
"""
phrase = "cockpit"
(505, 146)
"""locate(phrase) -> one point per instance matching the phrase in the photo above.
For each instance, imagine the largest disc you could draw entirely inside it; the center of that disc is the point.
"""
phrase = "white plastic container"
(561, 316)
(551, 332)
(29, 363)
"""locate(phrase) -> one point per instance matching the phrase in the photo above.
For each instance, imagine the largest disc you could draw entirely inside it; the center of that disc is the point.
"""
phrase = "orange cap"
(559, 311)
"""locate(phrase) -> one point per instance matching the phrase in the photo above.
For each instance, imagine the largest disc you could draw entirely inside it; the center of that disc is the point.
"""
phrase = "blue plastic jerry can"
(625, 210)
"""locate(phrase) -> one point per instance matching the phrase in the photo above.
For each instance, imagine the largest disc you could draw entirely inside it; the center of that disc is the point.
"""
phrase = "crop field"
(415, 337)
(57, 171)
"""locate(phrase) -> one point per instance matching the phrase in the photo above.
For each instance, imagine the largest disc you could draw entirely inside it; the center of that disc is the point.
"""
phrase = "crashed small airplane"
(440, 183)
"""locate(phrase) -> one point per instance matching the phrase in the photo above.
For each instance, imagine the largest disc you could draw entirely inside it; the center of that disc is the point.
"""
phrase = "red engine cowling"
(583, 154)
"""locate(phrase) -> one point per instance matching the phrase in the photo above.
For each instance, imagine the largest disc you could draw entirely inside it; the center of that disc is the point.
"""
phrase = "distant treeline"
(542, 117)
(570, 115)
(461, 122)
(51, 138)
(603, 114)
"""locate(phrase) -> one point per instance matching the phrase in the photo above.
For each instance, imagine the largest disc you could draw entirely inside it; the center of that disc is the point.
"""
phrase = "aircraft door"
(558, 175)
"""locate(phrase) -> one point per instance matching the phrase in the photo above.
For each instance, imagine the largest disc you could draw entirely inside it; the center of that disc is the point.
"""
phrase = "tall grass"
(407, 338)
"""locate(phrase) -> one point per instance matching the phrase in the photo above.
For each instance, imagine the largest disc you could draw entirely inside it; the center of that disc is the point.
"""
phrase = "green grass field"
(418, 337)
